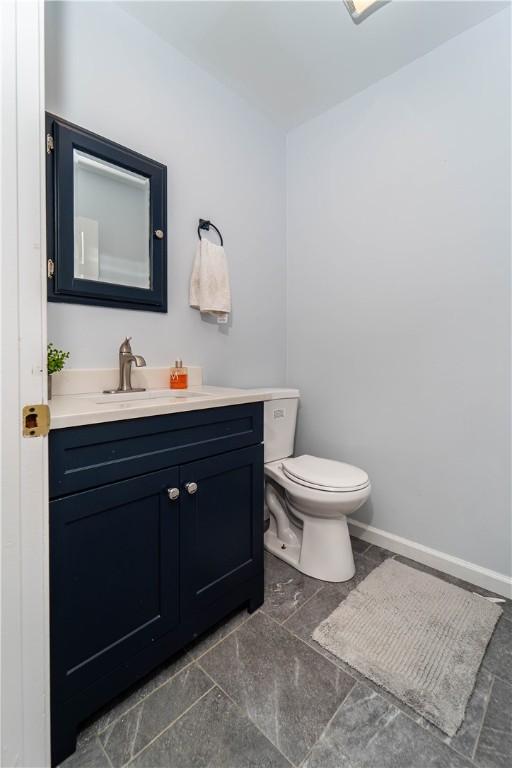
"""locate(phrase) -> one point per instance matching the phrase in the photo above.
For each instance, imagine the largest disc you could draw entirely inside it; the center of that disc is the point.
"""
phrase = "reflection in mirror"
(111, 223)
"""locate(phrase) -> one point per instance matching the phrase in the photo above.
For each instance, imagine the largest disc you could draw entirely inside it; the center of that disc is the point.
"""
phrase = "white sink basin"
(167, 395)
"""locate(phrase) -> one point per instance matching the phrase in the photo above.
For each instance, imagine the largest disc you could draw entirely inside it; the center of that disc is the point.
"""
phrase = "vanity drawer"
(93, 455)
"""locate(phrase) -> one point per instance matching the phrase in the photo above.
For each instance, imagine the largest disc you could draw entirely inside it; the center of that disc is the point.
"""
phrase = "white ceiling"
(293, 60)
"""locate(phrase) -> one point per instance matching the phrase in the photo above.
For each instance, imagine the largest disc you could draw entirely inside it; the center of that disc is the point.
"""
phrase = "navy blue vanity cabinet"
(156, 534)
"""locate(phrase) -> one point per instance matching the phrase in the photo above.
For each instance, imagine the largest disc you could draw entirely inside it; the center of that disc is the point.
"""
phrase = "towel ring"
(205, 224)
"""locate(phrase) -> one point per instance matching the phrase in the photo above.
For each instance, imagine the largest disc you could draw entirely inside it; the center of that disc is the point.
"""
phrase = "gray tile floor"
(258, 692)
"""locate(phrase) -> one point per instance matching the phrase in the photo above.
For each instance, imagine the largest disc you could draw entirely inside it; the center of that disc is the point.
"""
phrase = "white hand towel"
(209, 283)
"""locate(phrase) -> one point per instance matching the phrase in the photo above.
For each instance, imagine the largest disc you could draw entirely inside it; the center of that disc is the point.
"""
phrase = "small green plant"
(56, 359)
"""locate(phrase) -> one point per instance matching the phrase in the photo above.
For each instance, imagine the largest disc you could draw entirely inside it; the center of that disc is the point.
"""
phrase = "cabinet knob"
(173, 493)
(191, 488)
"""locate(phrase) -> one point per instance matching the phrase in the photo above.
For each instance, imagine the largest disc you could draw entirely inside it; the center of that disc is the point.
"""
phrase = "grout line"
(132, 758)
(400, 711)
(342, 703)
(300, 606)
(368, 545)
(500, 678)
(493, 680)
(109, 761)
(313, 648)
(496, 675)
(422, 720)
(247, 618)
(143, 698)
(245, 714)
(434, 735)
(366, 556)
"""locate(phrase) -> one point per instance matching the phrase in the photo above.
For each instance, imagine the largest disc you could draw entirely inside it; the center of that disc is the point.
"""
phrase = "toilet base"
(290, 553)
(323, 550)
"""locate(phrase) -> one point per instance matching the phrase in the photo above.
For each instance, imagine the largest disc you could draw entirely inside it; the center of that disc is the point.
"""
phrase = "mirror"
(111, 215)
(106, 216)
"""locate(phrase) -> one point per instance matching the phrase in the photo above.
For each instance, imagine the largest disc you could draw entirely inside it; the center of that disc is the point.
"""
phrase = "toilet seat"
(325, 474)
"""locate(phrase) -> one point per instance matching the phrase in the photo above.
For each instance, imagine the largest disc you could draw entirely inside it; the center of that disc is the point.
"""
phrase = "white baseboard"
(462, 569)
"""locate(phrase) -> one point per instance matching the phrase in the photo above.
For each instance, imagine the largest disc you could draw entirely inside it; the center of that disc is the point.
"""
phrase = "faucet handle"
(126, 346)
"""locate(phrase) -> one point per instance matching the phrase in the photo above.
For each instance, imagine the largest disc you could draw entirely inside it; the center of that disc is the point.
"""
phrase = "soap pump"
(179, 376)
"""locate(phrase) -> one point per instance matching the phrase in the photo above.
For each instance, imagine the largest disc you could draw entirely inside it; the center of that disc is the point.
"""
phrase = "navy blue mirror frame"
(63, 286)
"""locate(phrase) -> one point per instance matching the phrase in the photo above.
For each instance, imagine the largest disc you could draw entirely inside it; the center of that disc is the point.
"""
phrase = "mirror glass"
(111, 223)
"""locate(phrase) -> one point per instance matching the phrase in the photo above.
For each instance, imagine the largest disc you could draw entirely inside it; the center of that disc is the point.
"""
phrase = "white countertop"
(95, 407)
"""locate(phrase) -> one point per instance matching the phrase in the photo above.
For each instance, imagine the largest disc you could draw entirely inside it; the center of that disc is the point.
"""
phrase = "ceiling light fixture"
(361, 9)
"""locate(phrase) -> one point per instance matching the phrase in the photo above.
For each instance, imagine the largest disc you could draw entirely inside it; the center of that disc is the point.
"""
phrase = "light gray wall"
(225, 162)
(398, 259)
(398, 293)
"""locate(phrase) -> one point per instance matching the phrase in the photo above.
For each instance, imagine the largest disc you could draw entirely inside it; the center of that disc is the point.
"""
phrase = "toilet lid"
(325, 474)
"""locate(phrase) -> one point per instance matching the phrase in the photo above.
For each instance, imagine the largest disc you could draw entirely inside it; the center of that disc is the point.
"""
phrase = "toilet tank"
(280, 418)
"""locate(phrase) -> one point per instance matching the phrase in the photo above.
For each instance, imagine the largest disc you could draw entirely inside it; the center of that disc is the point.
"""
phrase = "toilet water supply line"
(275, 506)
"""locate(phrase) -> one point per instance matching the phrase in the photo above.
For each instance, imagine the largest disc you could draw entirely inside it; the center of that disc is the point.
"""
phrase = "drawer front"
(94, 455)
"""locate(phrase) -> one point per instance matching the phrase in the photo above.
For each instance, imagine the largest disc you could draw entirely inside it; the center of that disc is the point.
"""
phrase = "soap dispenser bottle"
(179, 376)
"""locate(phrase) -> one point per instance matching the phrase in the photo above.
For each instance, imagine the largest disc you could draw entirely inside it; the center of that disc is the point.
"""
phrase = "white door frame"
(24, 615)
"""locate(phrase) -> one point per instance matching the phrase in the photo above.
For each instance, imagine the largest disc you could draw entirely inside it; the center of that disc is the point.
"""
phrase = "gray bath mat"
(415, 635)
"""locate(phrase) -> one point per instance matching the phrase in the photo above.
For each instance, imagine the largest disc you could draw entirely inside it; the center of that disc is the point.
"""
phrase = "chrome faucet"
(126, 358)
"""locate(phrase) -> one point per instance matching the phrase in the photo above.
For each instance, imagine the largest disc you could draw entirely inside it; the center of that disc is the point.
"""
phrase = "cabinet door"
(114, 575)
(222, 525)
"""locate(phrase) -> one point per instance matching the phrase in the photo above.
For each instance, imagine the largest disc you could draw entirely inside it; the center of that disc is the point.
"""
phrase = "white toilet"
(308, 498)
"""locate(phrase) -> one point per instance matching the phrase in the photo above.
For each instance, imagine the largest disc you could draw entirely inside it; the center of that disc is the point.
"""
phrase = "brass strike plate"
(36, 420)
